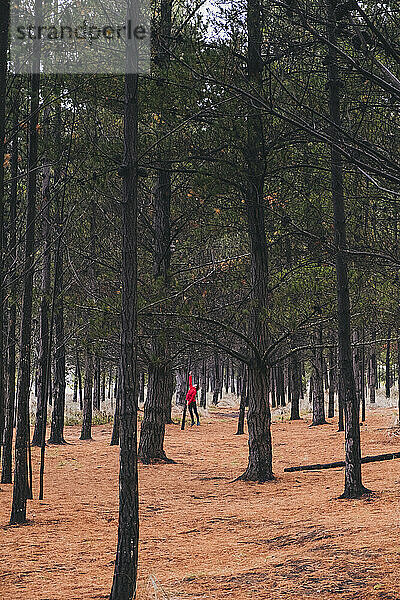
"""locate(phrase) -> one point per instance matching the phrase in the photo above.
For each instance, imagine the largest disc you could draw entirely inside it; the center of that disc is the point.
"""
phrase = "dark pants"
(193, 411)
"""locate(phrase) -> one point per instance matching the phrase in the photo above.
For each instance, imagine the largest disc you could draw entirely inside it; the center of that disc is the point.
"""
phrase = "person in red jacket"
(191, 401)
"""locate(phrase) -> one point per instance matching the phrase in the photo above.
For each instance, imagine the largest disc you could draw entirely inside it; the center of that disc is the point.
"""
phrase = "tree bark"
(332, 383)
(353, 481)
(180, 387)
(387, 363)
(86, 432)
(243, 404)
(116, 424)
(6, 473)
(218, 380)
(203, 385)
(318, 395)
(296, 385)
(41, 411)
(21, 489)
(151, 445)
(58, 414)
(4, 26)
(258, 415)
(96, 384)
(125, 572)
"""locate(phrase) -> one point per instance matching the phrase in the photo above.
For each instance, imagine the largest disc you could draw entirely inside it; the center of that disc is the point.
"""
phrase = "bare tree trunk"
(353, 481)
(116, 424)
(41, 410)
(58, 414)
(203, 385)
(4, 21)
(86, 432)
(21, 489)
(6, 473)
(387, 373)
(180, 387)
(332, 383)
(296, 385)
(141, 390)
(318, 396)
(96, 384)
(151, 445)
(125, 573)
(243, 404)
(258, 415)
(79, 376)
(218, 380)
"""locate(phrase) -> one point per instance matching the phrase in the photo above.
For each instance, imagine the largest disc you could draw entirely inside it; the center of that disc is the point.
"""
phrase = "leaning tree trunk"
(86, 432)
(21, 489)
(353, 480)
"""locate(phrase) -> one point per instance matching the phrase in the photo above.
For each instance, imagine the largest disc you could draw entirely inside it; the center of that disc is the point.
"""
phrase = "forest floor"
(204, 536)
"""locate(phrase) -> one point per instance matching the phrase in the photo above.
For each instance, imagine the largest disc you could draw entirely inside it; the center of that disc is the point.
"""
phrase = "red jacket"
(191, 395)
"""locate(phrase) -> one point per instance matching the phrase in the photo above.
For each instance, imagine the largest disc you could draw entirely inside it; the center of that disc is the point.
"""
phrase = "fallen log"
(341, 463)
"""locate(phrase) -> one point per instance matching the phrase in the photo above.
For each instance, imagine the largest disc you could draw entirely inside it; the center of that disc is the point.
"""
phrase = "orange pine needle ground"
(203, 536)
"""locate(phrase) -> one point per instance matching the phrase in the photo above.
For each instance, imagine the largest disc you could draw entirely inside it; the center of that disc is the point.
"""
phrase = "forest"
(199, 308)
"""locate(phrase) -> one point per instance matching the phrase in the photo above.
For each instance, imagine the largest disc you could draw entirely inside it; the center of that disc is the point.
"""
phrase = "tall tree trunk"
(141, 389)
(21, 489)
(318, 396)
(243, 404)
(218, 380)
(373, 371)
(398, 369)
(168, 397)
(353, 482)
(273, 387)
(79, 376)
(41, 410)
(116, 424)
(58, 414)
(151, 445)
(296, 386)
(258, 415)
(332, 383)
(6, 473)
(86, 432)
(125, 572)
(4, 24)
(387, 362)
(152, 431)
(180, 387)
(96, 384)
(203, 385)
